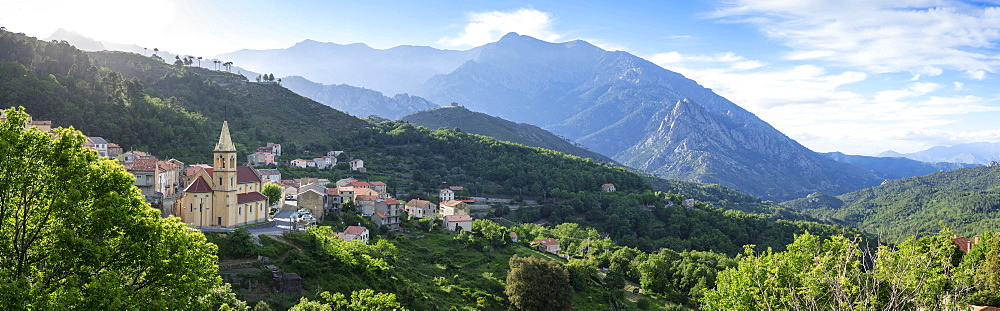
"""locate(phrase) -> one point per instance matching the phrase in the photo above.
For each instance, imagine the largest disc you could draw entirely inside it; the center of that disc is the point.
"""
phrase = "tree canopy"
(76, 234)
(538, 284)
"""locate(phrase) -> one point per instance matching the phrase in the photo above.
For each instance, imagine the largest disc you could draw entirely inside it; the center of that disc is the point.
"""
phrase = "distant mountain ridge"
(895, 167)
(615, 103)
(357, 101)
(486, 125)
(392, 71)
(972, 153)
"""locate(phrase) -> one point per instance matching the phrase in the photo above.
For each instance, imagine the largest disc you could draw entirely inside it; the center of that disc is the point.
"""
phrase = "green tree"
(273, 193)
(538, 284)
(76, 234)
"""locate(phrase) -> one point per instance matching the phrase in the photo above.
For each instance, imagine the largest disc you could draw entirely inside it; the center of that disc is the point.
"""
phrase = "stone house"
(458, 222)
(420, 208)
(546, 245)
(358, 165)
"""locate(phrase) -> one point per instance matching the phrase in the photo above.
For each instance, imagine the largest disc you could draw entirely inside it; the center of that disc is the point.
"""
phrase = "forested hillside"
(966, 199)
(483, 124)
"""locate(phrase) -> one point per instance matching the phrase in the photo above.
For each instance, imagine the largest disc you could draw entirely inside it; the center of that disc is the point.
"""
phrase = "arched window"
(241, 210)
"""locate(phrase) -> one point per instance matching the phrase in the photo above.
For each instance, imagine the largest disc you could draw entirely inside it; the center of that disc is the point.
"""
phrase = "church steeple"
(225, 142)
(225, 161)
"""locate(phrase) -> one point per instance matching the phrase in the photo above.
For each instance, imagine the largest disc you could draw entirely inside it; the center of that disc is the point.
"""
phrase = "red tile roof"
(391, 201)
(609, 185)
(360, 184)
(454, 218)
(377, 183)
(199, 185)
(332, 191)
(366, 198)
(513, 234)
(964, 243)
(250, 197)
(382, 215)
(245, 174)
(142, 165)
(355, 230)
(457, 188)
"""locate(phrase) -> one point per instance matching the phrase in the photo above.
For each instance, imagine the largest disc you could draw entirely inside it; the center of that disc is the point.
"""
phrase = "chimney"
(975, 240)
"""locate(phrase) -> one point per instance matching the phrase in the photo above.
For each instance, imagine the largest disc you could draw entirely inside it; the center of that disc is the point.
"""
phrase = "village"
(225, 196)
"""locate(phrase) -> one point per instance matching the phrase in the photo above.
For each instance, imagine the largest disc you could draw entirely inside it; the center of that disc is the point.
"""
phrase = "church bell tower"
(225, 161)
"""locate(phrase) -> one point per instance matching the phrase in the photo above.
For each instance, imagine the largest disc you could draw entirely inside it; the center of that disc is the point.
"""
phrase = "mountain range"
(357, 101)
(971, 153)
(611, 102)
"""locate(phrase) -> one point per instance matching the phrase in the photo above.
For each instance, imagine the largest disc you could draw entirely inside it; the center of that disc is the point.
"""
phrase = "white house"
(354, 233)
(446, 195)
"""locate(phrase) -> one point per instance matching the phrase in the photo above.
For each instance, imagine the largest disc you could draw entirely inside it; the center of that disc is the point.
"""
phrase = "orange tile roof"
(355, 230)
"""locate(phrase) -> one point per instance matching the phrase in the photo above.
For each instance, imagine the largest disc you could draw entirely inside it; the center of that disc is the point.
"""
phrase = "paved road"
(283, 220)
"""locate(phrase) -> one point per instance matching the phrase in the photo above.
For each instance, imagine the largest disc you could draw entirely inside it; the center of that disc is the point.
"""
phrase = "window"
(241, 210)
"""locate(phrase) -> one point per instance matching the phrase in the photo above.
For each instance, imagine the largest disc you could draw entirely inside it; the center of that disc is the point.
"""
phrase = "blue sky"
(857, 76)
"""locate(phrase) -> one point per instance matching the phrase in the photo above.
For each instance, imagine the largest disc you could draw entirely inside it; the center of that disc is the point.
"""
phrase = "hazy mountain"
(895, 167)
(486, 125)
(79, 41)
(642, 115)
(396, 70)
(973, 153)
(357, 101)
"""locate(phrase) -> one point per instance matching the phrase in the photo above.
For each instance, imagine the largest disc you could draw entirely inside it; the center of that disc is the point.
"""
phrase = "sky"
(855, 76)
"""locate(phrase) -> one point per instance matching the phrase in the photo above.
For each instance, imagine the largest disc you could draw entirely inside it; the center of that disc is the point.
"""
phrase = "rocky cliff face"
(642, 115)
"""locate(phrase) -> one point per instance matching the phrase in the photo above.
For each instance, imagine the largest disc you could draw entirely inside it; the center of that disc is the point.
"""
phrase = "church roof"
(225, 142)
(199, 185)
(250, 197)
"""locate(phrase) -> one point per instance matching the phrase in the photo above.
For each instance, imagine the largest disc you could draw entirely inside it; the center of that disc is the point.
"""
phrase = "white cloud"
(923, 36)
(977, 74)
(486, 27)
(816, 107)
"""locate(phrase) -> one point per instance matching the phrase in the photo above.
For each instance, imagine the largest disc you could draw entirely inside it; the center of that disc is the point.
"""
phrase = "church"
(224, 195)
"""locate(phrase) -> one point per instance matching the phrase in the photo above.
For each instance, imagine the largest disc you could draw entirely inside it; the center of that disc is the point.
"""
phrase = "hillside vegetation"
(483, 124)
(966, 199)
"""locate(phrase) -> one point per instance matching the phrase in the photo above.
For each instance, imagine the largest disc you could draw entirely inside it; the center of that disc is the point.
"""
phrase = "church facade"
(224, 195)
